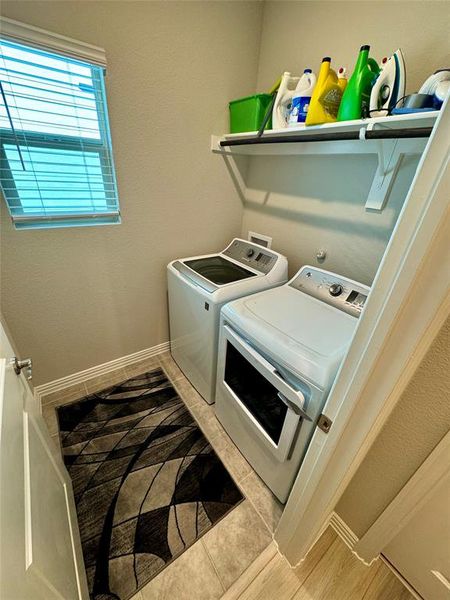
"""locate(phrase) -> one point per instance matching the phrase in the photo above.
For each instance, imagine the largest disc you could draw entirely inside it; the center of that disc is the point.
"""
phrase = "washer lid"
(304, 334)
(218, 269)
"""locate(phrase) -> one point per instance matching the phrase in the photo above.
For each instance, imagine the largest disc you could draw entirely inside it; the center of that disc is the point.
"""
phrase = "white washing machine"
(198, 287)
(279, 352)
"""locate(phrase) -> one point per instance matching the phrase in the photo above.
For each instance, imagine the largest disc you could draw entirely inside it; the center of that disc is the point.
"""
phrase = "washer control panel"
(342, 293)
(258, 258)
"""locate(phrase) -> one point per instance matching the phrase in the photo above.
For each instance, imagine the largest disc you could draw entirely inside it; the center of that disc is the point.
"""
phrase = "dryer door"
(270, 405)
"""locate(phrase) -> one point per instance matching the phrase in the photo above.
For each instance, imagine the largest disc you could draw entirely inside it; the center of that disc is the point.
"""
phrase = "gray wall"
(308, 203)
(78, 297)
(317, 202)
(417, 424)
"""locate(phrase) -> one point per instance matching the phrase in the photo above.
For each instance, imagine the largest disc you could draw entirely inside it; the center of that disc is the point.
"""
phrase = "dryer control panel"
(338, 291)
(258, 258)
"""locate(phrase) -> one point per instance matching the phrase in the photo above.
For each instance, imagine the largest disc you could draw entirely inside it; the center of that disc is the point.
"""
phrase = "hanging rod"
(361, 134)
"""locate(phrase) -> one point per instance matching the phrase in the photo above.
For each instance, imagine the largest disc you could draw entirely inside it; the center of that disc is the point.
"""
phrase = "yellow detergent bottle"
(326, 97)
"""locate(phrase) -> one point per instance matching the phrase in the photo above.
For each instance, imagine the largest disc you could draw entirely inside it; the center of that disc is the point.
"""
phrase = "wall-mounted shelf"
(390, 138)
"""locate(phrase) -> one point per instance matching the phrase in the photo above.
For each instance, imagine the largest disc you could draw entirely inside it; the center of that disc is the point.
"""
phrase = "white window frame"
(22, 33)
(48, 41)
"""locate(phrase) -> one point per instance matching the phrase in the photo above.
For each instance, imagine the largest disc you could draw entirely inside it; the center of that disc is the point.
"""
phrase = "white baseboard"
(343, 530)
(59, 384)
(340, 527)
(347, 536)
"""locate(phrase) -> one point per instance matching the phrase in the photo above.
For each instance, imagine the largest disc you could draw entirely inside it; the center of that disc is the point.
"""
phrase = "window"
(56, 166)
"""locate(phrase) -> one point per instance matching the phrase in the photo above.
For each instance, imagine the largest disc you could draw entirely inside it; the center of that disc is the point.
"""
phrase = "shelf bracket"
(389, 159)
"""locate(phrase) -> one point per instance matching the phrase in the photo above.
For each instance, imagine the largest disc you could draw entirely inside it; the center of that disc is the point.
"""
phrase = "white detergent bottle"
(282, 106)
(301, 98)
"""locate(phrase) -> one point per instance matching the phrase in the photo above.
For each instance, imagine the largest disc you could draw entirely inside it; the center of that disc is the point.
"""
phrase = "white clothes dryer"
(198, 288)
(279, 353)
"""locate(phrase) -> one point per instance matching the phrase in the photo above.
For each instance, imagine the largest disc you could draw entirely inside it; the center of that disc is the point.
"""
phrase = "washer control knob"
(335, 289)
(250, 252)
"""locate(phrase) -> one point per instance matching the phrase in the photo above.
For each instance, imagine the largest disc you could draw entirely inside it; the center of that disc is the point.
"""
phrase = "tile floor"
(209, 567)
(237, 559)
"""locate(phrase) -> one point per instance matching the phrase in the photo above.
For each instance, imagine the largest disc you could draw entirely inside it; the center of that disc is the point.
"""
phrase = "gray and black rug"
(147, 483)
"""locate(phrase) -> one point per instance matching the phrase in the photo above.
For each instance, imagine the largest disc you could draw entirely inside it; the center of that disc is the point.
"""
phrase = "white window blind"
(55, 147)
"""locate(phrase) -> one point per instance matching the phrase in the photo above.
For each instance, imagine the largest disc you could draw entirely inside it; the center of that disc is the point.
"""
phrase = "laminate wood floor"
(329, 572)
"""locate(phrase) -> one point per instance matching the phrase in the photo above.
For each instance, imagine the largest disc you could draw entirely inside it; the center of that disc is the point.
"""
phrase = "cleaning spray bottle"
(356, 98)
(302, 98)
(326, 96)
(342, 78)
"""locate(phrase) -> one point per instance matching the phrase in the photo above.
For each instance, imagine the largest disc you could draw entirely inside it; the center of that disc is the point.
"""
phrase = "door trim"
(406, 308)
(407, 503)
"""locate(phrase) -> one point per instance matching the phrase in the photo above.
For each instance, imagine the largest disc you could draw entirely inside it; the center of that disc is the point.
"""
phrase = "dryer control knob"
(335, 289)
(250, 252)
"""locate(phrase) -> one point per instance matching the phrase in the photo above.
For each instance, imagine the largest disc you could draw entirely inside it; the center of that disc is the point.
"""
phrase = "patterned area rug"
(147, 483)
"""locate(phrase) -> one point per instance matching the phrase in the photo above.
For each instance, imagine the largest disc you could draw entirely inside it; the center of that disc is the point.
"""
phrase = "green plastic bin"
(247, 114)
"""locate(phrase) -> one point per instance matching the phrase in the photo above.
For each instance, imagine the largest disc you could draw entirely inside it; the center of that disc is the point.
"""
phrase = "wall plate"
(259, 238)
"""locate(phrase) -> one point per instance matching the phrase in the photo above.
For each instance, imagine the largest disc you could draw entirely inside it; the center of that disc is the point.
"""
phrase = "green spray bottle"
(356, 97)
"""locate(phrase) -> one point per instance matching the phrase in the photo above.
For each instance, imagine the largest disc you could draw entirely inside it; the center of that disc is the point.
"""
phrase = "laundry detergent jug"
(283, 101)
(356, 99)
(326, 96)
(302, 98)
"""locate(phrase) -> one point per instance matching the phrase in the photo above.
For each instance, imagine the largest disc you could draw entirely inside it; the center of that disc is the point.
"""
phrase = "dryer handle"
(290, 404)
(293, 398)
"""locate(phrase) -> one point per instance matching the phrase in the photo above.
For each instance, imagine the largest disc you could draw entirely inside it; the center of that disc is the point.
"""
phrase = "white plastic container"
(301, 98)
(282, 106)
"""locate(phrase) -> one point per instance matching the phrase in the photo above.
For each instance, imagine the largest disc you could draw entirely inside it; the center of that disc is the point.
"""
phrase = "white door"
(421, 551)
(40, 552)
